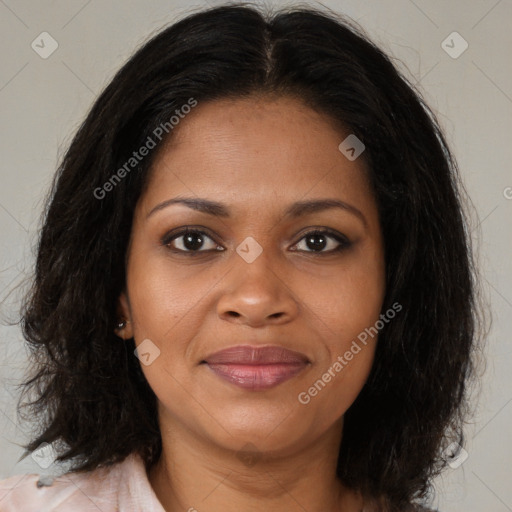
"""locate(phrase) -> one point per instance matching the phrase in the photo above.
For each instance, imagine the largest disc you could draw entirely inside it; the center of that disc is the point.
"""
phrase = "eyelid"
(324, 231)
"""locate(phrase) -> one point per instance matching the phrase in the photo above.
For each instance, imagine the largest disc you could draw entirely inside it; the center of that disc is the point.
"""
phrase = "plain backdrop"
(43, 100)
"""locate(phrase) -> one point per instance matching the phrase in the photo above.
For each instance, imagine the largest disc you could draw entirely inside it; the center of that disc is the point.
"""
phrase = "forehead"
(264, 149)
(275, 124)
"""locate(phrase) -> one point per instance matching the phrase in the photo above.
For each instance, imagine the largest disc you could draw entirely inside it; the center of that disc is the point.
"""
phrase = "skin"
(257, 156)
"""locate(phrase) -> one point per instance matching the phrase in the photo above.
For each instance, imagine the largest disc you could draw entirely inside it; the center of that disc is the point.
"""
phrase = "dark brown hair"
(90, 396)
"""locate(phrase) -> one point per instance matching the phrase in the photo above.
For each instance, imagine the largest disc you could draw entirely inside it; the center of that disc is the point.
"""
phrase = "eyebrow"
(294, 211)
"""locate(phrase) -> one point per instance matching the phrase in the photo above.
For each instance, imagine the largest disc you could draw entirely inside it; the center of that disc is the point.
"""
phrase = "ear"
(124, 314)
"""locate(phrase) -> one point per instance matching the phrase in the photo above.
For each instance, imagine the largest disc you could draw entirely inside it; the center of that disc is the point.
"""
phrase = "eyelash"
(170, 237)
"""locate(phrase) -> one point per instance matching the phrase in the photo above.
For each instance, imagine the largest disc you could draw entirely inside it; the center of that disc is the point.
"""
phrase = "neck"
(193, 474)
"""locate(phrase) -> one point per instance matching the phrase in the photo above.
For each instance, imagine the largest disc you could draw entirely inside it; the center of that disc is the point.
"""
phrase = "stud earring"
(122, 324)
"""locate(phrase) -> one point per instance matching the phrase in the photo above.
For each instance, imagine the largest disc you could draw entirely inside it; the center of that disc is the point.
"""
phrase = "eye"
(194, 241)
(191, 241)
(320, 239)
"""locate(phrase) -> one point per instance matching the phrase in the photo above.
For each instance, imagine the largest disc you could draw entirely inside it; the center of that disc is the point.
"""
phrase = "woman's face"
(250, 275)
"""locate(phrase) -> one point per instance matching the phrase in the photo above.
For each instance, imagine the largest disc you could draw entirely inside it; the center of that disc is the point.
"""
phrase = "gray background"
(42, 102)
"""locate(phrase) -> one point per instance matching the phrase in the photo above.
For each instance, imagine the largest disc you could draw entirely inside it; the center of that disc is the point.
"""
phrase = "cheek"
(350, 300)
(347, 309)
(347, 382)
(336, 383)
(163, 297)
(163, 312)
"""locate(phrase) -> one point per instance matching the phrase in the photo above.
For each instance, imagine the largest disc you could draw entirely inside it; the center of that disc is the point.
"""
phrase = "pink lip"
(256, 368)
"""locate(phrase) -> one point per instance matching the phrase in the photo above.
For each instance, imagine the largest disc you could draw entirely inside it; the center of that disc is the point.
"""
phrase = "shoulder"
(23, 493)
(106, 489)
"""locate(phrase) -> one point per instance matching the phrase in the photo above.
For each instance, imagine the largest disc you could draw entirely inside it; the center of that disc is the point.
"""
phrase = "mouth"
(256, 368)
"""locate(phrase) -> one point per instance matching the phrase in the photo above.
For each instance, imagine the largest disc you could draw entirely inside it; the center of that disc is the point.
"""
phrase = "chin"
(269, 428)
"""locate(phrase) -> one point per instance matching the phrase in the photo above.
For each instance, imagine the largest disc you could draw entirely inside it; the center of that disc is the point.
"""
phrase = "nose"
(256, 294)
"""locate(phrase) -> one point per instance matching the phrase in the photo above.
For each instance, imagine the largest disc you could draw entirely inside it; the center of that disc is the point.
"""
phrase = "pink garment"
(123, 487)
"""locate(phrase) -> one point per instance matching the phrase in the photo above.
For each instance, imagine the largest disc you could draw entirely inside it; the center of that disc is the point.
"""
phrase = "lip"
(256, 368)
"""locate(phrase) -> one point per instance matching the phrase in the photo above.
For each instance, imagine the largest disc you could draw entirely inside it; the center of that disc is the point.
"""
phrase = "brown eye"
(191, 241)
(318, 240)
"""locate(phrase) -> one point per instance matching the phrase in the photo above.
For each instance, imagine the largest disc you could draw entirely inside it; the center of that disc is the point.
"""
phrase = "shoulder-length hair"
(91, 398)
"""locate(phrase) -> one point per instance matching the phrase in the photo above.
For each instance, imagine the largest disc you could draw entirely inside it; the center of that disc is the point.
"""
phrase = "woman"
(254, 289)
